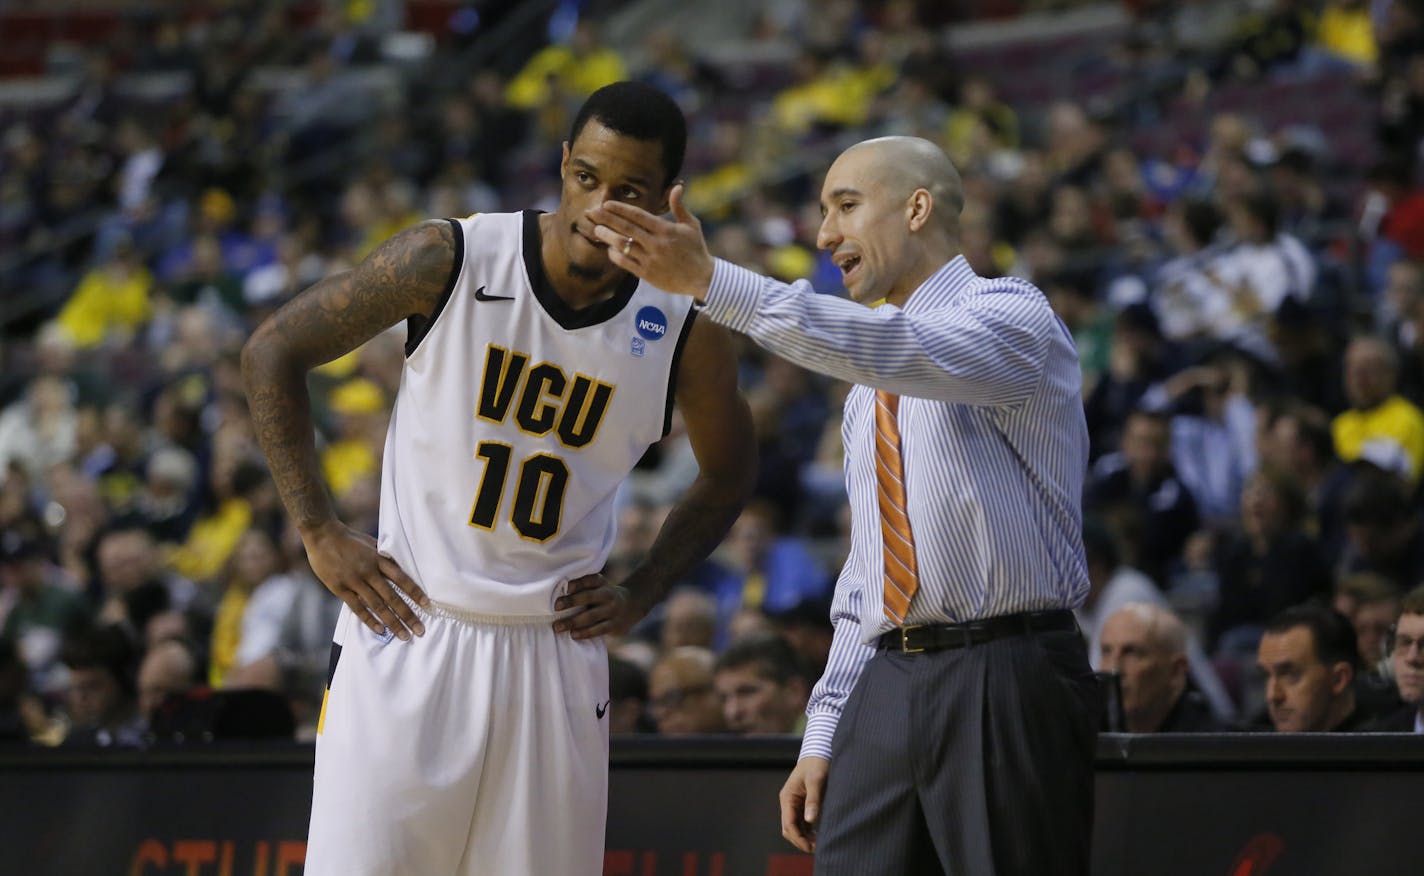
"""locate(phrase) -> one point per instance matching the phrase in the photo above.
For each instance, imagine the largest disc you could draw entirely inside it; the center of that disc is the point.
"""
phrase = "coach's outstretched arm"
(403, 277)
(719, 425)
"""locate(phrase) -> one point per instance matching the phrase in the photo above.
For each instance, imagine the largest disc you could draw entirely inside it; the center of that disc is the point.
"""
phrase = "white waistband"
(455, 613)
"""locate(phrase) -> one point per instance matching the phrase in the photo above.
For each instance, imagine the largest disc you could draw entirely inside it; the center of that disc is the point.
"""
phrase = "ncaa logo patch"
(651, 323)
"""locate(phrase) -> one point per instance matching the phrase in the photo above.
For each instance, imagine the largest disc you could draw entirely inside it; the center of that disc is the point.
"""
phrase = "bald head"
(1158, 626)
(904, 164)
(168, 669)
(890, 210)
(1146, 645)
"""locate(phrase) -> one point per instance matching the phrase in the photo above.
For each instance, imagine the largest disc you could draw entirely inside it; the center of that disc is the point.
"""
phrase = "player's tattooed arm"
(404, 276)
(719, 426)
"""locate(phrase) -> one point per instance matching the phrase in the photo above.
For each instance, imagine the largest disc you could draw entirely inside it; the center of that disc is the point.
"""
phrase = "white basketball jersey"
(516, 421)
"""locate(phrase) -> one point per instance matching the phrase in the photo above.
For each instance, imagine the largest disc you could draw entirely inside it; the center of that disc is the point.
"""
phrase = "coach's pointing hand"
(670, 255)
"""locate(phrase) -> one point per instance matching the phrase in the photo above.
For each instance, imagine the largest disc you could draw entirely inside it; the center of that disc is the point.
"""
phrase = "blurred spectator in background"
(1308, 657)
(257, 595)
(1266, 565)
(689, 619)
(132, 576)
(627, 698)
(1382, 529)
(1406, 650)
(1213, 434)
(1371, 602)
(1112, 586)
(41, 429)
(773, 571)
(553, 82)
(1271, 38)
(1138, 359)
(169, 669)
(762, 687)
(101, 700)
(244, 496)
(1381, 425)
(1138, 493)
(39, 607)
(1294, 441)
(22, 716)
(807, 628)
(1346, 33)
(112, 301)
(1146, 645)
(681, 697)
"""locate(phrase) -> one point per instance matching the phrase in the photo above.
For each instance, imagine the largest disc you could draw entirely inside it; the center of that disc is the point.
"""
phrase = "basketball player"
(464, 729)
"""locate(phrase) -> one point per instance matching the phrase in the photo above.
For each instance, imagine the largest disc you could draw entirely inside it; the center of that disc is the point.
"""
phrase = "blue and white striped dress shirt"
(994, 448)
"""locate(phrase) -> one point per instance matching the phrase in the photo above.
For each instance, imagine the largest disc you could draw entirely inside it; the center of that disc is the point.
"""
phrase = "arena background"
(1219, 199)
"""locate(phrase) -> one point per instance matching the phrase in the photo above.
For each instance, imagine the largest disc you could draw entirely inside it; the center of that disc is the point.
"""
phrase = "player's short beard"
(581, 272)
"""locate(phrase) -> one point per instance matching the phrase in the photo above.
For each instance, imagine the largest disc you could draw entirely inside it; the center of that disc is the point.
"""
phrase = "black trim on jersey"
(417, 326)
(672, 370)
(331, 664)
(555, 306)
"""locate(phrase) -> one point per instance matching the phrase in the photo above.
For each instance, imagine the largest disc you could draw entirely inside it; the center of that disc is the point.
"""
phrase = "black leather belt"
(941, 637)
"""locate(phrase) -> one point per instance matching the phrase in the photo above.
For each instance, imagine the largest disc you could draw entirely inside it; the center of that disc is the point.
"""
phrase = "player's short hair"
(641, 112)
(1332, 635)
(771, 657)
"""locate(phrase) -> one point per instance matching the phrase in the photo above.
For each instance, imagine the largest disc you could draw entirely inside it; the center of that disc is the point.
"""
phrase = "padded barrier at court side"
(1200, 805)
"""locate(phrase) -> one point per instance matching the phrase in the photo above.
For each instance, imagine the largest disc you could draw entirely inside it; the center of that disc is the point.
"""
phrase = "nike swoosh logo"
(601, 709)
(481, 296)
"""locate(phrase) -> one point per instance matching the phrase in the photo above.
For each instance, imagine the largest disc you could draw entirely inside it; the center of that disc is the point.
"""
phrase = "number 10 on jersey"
(538, 491)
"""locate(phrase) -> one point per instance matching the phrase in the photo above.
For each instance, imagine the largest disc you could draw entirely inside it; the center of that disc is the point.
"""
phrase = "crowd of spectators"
(1246, 297)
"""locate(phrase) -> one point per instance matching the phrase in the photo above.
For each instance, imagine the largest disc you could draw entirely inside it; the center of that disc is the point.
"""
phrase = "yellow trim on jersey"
(321, 716)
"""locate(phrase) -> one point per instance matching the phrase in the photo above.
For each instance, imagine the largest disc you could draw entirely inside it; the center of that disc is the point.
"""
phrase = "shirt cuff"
(820, 730)
(733, 295)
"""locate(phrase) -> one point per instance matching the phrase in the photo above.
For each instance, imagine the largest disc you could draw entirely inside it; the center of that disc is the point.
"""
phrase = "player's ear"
(564, 162)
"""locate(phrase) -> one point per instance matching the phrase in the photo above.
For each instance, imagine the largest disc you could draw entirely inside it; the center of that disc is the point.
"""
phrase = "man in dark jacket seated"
(1146, 645)
(1406, 657)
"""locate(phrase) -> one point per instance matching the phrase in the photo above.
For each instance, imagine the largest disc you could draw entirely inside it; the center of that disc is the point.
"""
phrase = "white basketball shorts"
(478, 748)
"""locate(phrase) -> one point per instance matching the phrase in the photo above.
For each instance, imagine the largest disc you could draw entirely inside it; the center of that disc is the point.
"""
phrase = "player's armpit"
(719, 423)
(719, 426)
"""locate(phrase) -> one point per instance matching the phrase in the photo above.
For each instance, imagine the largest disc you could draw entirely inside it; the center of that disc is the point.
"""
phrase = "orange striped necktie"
(902, 577)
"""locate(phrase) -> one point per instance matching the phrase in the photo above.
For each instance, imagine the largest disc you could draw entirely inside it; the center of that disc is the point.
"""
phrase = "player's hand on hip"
(603, 608)
(348, 564)
(801, 802)
(670, 255)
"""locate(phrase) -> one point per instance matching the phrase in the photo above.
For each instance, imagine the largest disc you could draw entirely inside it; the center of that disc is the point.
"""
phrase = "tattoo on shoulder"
(403, 277)
(412, 267)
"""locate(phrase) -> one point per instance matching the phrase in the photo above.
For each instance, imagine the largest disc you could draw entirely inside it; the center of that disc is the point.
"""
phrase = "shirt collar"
(942, 287)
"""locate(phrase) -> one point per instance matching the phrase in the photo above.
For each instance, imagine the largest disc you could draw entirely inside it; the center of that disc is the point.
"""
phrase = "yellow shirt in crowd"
(106, 301)
(1348, 33)
(211, 541)
(1395, 420)
(227, 634)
